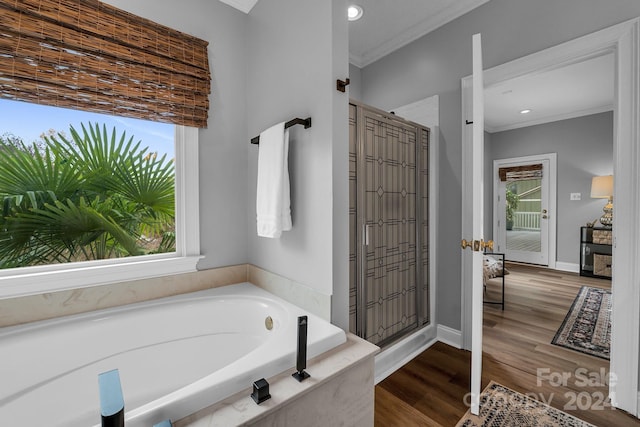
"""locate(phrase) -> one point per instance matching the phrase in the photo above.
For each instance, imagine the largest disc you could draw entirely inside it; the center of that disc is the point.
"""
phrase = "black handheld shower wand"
(301, 359)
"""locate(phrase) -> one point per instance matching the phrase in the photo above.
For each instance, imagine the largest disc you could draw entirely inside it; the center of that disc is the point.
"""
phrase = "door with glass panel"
(389, 225)
(523, 210)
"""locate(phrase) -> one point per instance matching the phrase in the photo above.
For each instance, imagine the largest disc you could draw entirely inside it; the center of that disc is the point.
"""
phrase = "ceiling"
(571, 91)
(387, 25)
(574, 90)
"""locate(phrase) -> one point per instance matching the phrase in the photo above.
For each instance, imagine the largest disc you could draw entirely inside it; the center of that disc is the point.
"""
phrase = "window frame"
(34, 280)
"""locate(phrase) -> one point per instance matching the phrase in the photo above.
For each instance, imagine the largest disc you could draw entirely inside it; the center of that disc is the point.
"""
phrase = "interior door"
(477, 244)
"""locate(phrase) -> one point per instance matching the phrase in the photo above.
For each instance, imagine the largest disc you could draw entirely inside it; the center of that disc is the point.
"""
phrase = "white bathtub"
(175, 356)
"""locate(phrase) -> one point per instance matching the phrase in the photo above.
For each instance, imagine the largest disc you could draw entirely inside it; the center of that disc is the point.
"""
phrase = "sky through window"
(29, 121)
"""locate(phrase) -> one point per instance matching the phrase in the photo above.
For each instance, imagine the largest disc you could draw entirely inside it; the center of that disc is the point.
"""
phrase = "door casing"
(624, 40)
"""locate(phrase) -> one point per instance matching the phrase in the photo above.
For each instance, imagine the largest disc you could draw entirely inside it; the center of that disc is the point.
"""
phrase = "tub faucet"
(301, 358)
(111, 399)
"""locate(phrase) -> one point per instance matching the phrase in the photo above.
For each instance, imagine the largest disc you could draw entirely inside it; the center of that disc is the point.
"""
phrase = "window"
(90, 56)
(93, 202)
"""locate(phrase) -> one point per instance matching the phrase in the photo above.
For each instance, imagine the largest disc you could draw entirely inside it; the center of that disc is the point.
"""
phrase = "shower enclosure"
(389, 228)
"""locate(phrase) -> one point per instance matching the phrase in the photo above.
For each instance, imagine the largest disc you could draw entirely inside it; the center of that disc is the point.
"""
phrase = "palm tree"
(512, 200)
(94, 196)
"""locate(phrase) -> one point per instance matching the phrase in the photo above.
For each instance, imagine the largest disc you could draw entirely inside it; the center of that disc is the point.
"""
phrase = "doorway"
(624, 41)
(524, 208)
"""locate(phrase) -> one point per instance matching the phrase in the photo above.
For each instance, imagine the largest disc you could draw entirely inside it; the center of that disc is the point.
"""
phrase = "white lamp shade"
(602, 187)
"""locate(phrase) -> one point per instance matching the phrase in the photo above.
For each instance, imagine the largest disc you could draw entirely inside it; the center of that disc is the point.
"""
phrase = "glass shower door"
(389, 170)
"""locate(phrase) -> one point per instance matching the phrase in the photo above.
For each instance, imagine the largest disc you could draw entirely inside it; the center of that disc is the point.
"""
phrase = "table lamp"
(602, 188)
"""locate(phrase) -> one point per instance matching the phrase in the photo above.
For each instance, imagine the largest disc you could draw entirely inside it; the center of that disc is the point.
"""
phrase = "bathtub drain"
(268, 323)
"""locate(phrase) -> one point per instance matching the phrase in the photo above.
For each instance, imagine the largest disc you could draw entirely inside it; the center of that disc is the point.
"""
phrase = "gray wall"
(585, 149)
(293, 62)
(272, 65)
(355, 87)
(340, 167)
(434, 65)
(223, 145)
(488, 188)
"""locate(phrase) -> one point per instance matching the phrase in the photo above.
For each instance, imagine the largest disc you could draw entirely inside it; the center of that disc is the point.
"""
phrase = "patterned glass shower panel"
(353, 220)
(390, 271)
(423, 193)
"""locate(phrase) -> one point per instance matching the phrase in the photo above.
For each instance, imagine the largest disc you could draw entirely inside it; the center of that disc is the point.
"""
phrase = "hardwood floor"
(430, 390)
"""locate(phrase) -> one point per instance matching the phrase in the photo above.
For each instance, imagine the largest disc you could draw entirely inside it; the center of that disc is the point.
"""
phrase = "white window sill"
(38, 281)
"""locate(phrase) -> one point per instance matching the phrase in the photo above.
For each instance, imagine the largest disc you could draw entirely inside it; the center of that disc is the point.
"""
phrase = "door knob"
(487, 245)
(544, 217)
(466, 244)
(544, 211)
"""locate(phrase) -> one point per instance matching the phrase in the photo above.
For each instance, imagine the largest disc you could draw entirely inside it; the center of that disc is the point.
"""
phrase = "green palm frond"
(29, 178)
(112, 164)
(95, 195)
(65, 231)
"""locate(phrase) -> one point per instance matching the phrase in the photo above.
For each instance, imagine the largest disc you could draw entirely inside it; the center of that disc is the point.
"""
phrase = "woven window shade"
(520, 173)
(88, 55)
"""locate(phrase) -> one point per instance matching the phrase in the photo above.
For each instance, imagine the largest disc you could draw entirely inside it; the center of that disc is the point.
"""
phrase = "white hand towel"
(273, 205)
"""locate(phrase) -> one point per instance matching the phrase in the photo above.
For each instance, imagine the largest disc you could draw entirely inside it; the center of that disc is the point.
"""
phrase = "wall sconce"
(602, 188)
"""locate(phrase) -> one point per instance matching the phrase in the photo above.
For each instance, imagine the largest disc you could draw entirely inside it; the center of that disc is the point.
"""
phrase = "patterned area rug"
(587, 327)
(503, 407)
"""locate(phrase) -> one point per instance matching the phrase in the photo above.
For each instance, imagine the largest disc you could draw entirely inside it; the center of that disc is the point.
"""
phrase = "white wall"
(434, 65)
(224, 144)
(585, 149)
(293, 62)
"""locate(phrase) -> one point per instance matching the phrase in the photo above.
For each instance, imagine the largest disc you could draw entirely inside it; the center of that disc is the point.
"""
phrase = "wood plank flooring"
(430, 390)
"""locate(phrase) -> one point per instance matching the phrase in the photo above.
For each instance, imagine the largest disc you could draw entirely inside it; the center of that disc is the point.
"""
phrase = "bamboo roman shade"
(88, 55)
(520, 173)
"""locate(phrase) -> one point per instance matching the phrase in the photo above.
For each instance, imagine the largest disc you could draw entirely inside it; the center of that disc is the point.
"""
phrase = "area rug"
(503, 407)
(587, 326)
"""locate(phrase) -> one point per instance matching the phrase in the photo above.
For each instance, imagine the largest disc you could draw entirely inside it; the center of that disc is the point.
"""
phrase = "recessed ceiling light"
(354, 12)
(525, 111)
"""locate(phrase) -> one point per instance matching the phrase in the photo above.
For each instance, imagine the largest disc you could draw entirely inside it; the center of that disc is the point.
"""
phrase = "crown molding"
(242, 5)
(444, 16)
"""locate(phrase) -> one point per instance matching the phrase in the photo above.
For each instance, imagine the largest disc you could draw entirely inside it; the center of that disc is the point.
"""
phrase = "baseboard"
(399, 354)
(450, 336)
(568, 266)
(638, 407)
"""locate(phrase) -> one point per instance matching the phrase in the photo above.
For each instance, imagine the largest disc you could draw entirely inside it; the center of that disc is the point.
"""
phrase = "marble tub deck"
(339, 392)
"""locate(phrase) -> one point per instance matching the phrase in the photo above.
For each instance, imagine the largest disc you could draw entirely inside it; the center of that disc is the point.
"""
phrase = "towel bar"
(297, 121)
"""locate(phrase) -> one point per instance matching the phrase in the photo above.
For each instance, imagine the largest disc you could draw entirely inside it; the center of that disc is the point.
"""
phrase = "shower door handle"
(365, 234)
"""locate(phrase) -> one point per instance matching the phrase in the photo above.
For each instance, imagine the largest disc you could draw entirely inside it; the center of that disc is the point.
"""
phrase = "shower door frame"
(423, 318)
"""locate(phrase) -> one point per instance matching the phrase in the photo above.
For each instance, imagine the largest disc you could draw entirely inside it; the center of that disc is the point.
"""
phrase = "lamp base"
(607, 219)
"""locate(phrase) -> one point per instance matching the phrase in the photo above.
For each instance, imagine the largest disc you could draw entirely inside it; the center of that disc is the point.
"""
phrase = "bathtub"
(175, 356)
